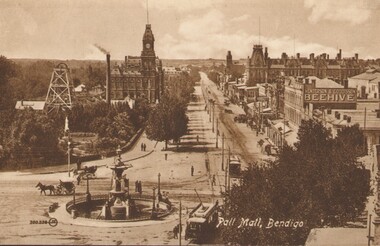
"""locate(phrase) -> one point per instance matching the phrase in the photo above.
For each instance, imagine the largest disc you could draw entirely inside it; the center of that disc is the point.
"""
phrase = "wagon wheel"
(70, 192)
(59, 190)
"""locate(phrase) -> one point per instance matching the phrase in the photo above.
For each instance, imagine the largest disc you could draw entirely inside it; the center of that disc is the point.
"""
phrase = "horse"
(91, 169)
(43, 188)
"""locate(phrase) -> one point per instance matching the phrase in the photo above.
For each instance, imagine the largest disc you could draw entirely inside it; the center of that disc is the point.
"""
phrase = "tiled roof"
(367, 76)
(327, 83)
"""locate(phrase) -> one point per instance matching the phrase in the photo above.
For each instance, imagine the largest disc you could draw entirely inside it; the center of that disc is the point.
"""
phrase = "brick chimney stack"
(108, 79)
(339, 55)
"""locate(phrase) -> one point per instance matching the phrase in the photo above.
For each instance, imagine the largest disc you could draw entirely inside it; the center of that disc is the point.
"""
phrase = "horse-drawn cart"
(86, 173)
(65, 187)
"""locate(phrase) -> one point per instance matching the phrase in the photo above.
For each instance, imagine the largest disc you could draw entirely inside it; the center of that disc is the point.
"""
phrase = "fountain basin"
(142, 209)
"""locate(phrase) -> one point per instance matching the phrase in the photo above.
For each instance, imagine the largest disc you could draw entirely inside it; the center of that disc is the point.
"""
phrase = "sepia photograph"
(188, 122)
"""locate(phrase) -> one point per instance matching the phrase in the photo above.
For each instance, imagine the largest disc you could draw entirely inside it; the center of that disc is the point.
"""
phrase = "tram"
(234, 166)
(202, 222)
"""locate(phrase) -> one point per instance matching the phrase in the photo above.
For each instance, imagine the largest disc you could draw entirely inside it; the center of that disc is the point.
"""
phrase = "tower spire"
(147, 12)
(259, 31)
(294, 45)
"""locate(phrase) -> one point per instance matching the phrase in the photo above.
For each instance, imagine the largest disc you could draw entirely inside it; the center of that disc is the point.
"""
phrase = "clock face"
(147, 45)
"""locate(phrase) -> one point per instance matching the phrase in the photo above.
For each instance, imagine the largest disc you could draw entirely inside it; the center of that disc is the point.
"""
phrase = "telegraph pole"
(217, 132)
(223, 151)
(180, 222)
(209, 108)
(159, 190)
(213, 115)
(228, 167)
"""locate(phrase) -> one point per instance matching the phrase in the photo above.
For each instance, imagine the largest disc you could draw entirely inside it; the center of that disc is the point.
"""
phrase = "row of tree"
(319, 181)
(168, 120)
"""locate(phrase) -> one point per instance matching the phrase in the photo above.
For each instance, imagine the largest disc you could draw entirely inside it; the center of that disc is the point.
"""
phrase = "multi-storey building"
(139, 76)
(261, 68)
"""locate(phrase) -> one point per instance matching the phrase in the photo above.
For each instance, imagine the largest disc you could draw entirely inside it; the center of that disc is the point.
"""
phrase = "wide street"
(21, 202)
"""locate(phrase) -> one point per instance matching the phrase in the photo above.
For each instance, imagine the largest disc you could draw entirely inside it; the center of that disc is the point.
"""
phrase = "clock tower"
(148, 56)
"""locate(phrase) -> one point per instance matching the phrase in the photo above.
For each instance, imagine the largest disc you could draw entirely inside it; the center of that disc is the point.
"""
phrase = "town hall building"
(139, 76)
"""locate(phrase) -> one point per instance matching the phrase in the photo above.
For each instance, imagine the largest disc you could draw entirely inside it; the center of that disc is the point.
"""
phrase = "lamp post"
(154, 215)
(67, 130)
(88, 195)
(68, 155)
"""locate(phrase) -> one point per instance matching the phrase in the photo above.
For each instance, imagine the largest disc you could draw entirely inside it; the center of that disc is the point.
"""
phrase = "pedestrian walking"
(144, 147)
(197, 139)
(78, 179)
(79, 163)
(192, 171)
(175, 231)
(213, 180)
(140, 187)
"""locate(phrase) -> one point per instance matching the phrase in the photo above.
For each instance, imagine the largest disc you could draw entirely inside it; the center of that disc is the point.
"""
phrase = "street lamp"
(68, 155)
(67, 130)
(88, 195)
(154, 215)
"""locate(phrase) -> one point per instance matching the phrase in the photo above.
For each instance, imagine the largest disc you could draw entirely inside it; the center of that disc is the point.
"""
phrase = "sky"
(184, 29)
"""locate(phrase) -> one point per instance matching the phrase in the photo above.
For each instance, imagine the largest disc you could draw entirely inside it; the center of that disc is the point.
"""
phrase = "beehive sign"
(329, 95)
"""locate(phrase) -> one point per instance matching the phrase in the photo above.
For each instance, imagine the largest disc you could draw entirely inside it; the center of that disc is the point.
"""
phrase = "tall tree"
(7, 71)
(168, 120)
(33, 135)
(316, 182)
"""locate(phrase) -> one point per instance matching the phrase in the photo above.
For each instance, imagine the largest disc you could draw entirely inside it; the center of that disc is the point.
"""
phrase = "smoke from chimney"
(104, 51)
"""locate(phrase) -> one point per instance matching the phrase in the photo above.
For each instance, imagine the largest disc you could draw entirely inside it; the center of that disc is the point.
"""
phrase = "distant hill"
(99, 63)
(194, 62)
(70, 63)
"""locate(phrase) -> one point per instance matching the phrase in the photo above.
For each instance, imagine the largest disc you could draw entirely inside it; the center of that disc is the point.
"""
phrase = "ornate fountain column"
(119, 203)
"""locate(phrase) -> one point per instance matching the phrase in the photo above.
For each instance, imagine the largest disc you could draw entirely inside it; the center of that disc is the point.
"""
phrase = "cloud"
(211, 35)
(337, 10)
(193, 28)
(181, 5)
(240, 18)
